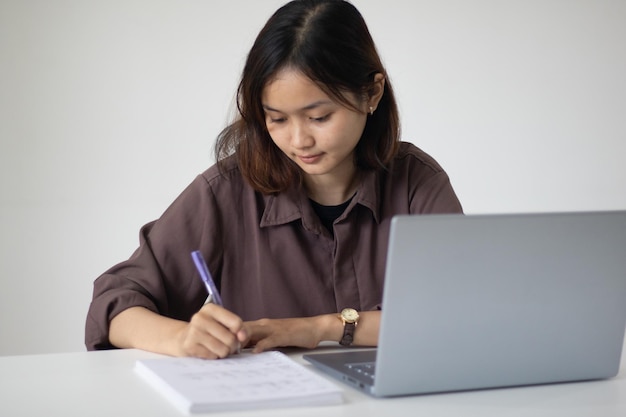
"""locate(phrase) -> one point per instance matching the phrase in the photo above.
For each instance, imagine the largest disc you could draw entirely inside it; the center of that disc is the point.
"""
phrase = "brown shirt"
(269, 254)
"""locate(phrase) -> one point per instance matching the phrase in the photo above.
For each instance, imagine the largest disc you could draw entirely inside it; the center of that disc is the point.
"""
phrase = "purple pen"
(203, 270)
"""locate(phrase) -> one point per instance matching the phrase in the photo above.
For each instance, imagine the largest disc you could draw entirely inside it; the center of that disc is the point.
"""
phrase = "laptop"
(485, 301)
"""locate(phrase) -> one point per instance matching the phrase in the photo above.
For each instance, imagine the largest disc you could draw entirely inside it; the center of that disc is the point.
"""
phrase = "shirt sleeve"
(436, 196)
(160, 275)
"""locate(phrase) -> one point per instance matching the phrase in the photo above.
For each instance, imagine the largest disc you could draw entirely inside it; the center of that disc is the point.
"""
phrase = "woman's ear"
(376, 92)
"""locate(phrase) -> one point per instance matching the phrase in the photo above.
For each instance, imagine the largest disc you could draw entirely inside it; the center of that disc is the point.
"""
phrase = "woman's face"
(314, 131)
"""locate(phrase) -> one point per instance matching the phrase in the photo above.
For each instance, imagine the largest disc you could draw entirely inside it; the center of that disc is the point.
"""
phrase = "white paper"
(242, 381)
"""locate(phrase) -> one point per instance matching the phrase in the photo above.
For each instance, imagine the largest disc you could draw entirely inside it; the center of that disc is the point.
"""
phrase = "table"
(104, 384)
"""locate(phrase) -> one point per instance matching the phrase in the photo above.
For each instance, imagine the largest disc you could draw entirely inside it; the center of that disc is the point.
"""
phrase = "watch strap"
(348, 334)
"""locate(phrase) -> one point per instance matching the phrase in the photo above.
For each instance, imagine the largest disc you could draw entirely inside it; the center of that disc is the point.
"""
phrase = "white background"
(108, 109)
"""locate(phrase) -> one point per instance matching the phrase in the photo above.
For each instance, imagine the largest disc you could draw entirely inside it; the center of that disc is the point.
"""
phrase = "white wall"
(109, 108)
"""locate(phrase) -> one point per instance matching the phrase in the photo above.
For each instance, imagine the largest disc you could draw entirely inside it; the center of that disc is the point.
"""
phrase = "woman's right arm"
(212, 333)
(154, 300)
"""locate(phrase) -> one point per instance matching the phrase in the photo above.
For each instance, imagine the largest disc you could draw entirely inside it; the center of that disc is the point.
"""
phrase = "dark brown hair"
(329, 42)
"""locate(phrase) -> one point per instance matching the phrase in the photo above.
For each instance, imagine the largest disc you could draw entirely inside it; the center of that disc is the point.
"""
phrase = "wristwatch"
(350, 318)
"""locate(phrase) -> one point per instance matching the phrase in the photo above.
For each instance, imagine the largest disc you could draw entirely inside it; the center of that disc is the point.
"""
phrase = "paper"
(242, 381)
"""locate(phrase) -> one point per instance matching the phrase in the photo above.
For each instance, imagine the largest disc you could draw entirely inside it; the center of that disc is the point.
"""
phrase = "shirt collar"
(294, 204)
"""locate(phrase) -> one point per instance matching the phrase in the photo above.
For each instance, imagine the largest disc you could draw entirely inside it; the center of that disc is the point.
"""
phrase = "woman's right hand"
(212, 333)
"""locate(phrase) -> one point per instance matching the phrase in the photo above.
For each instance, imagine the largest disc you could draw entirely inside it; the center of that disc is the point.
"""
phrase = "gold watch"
(350, 318)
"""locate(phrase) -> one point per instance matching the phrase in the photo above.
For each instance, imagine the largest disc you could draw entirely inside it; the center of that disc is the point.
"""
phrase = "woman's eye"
(278, 120)
(321, 119)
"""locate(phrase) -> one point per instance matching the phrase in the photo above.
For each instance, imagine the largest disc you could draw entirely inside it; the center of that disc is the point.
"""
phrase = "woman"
(294, 218)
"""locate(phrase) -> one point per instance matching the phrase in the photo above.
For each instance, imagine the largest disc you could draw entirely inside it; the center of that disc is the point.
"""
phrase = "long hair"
(329, 42)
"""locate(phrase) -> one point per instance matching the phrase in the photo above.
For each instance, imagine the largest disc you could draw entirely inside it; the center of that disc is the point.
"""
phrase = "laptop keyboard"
(364, 368)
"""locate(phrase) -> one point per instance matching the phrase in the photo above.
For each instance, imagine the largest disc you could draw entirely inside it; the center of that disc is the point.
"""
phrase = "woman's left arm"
(308, 332)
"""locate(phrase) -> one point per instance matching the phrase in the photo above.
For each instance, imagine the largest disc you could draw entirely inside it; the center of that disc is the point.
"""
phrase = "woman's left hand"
(306, 332)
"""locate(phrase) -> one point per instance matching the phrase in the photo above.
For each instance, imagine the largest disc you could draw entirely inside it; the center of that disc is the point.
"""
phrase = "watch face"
(350, 315)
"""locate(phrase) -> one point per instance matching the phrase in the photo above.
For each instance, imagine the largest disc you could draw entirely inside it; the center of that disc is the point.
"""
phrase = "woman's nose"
(301, 136)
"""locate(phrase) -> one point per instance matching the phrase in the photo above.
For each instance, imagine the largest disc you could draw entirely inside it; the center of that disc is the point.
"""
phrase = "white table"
(104, 384)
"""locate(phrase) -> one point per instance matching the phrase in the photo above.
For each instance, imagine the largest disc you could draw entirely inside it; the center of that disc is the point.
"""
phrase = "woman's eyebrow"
(305, 108)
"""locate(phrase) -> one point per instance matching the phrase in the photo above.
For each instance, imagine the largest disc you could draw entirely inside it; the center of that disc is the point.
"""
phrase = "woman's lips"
(310, 159)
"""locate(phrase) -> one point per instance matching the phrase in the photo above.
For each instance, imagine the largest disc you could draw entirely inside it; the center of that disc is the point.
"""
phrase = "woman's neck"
(329, 190)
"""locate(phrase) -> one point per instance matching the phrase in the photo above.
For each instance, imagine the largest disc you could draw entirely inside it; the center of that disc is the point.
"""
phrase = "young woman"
(294, 218)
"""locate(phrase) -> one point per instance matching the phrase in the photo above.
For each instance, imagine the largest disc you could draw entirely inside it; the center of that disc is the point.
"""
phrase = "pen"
(203, 270)
(214, 295)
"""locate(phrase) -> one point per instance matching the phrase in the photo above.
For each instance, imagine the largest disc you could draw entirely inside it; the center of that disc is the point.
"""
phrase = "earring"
(371, 111)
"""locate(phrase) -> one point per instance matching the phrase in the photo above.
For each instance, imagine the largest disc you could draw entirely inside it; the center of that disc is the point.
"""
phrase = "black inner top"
(328, 214)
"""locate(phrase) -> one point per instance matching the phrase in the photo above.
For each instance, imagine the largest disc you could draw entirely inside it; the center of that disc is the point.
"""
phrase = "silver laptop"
(485, 301)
